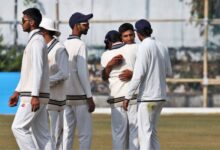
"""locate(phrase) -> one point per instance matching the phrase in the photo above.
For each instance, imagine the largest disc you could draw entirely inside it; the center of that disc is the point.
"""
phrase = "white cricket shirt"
(151, 68)
(59, 72)
(117, 87)
(34, 79)
(78, 84)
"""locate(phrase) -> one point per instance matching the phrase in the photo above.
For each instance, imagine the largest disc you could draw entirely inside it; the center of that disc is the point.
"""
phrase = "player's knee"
(14, 129)
(85, 138)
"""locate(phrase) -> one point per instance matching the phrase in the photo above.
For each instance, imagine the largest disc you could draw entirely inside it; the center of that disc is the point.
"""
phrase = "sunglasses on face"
(24, 20)
(86, 24)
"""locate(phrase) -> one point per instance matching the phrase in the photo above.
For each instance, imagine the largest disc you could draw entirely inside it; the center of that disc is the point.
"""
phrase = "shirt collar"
(51, 46)
(73, 37)
(48, 44)
(32, 33)
(149, 38)
(117, 45)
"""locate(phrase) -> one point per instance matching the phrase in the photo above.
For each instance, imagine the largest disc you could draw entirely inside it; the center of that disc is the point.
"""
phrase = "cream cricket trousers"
(148, 116)
(56, 128)
(132, 132)
(77, 116)
(31, 126)
(124, 128)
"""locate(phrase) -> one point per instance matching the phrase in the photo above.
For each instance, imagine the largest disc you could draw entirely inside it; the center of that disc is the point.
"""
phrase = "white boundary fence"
(172, 111)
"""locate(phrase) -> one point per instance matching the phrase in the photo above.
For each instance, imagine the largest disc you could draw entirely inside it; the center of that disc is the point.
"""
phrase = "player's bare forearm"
(126, 75)
(114, 62)
(105, 73)
(13, 99)
(35, 103)
(125, 104)
(91, 105)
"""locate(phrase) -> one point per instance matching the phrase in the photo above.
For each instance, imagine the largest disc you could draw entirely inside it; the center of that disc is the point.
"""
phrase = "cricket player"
(59, 72)
(128, 37)
(33, 89)
(151, 68)
(79, 101)
(127, 33)
(115, 60)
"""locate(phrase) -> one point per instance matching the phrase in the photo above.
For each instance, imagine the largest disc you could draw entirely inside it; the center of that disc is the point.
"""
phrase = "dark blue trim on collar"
(55, 41)
(117, 46)
(73, 37)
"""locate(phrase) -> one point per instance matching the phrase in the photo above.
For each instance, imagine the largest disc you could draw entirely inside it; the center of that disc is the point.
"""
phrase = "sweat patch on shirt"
(151, 106)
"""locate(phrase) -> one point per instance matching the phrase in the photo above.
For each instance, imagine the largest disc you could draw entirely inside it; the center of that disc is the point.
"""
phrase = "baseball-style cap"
(49, 25)
(142, 25)
(79, 18)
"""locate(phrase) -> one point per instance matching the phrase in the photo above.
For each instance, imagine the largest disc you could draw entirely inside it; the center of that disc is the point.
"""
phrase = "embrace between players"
(55, 82)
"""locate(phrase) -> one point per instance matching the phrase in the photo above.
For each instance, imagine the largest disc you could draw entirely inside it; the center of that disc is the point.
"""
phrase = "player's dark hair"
(112, 36)
(146, 33)
(125, 27)
(33, 13)
(52, 33)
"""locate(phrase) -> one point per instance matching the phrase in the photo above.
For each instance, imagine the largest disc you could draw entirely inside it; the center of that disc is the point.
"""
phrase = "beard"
(85, 32)
(26, 29)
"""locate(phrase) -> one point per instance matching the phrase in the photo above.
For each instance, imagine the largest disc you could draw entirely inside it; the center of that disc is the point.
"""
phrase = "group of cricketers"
(54, 85)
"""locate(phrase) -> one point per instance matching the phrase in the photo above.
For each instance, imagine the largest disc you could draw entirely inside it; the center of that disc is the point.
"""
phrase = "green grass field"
(176, 132)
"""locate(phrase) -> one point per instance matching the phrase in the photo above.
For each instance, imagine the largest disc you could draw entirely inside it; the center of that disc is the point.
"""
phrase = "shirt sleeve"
(104, 74)
(18, 88)
(83, 72)
(63, 67)
(103, 60)
(37, 48)
(140, 69)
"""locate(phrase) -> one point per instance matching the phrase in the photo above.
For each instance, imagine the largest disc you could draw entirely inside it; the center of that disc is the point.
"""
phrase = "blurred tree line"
(197, 11)
(198, 8)
(10, 57)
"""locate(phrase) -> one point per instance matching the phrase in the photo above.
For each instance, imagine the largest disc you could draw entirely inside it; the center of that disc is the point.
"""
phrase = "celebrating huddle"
(54, 83)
